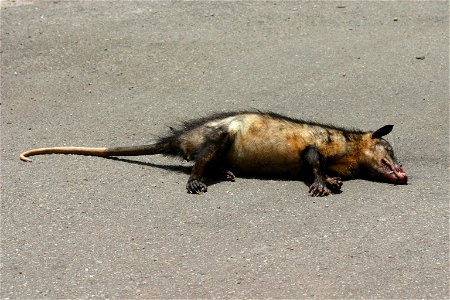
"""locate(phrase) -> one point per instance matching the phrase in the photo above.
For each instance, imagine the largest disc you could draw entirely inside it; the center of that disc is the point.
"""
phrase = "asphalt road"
(110, 74)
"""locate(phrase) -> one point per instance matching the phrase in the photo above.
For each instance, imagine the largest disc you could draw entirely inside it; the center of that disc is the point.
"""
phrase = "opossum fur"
(265, 143)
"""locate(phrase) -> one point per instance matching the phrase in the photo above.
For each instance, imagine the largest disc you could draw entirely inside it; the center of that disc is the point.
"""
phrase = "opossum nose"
(402, 177)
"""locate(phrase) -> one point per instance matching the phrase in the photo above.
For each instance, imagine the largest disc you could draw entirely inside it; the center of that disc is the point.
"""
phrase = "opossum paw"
(334, 183)
(319, 189)
(229, 176)
(196, 187)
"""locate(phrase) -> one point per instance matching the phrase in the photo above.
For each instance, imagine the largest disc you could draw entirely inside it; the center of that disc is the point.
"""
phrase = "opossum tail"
(158, 148)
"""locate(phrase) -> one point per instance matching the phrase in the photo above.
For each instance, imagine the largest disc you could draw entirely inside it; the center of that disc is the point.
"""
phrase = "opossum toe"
(196, 187)
(334, 183)
(229, 176)
(318, 189)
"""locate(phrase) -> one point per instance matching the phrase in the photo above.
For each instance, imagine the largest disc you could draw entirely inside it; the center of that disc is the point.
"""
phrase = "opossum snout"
(393, 172)
(402, 177)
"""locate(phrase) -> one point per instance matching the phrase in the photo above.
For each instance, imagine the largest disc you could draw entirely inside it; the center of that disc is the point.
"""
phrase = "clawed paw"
(229, 176)
(318, 189)
(196, 187)
(334, 183)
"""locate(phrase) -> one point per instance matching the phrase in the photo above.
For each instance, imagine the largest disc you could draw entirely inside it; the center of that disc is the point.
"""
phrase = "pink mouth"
(394, 173)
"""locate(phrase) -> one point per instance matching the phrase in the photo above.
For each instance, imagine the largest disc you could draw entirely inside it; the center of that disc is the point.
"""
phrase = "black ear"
(382, 131)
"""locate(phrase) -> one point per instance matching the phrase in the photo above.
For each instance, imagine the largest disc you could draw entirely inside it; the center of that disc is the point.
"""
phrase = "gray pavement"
(110, 74)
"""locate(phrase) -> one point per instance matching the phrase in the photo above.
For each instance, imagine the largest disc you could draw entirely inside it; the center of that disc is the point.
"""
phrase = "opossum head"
(378, 161)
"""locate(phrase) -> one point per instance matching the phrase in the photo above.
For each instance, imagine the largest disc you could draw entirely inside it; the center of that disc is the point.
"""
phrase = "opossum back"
(257, 142)
(263, 144)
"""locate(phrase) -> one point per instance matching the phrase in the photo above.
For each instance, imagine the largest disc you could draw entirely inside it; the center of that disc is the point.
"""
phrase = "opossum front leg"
(206, 156)
(319, 187)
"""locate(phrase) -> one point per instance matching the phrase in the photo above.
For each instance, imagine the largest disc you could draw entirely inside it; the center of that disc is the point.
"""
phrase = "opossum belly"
(264, 156)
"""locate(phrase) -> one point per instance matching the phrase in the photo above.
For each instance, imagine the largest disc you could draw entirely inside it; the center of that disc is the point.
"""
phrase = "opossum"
(268, 144)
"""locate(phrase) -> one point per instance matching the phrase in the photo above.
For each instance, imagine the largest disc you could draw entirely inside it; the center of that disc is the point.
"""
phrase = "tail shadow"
(175, 168)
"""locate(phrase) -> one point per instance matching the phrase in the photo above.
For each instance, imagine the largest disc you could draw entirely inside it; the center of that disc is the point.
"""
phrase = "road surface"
(120, 73)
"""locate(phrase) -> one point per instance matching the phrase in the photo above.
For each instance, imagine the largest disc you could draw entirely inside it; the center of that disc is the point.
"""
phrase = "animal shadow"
(211, 178)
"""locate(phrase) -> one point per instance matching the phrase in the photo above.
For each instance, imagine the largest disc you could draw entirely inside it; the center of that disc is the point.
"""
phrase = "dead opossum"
(268, 144)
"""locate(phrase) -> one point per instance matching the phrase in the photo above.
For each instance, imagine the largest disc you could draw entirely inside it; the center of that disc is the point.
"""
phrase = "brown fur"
(269, 144)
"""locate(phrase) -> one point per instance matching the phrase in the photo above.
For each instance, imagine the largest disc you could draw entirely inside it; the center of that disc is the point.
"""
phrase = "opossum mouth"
(394, 173)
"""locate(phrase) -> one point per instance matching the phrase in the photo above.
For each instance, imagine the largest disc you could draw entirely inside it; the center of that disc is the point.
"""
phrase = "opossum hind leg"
(334, 184)
(217, 170)
(212, 149)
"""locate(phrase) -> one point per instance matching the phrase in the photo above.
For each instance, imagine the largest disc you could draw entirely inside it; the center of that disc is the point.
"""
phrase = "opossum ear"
(382, 131)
